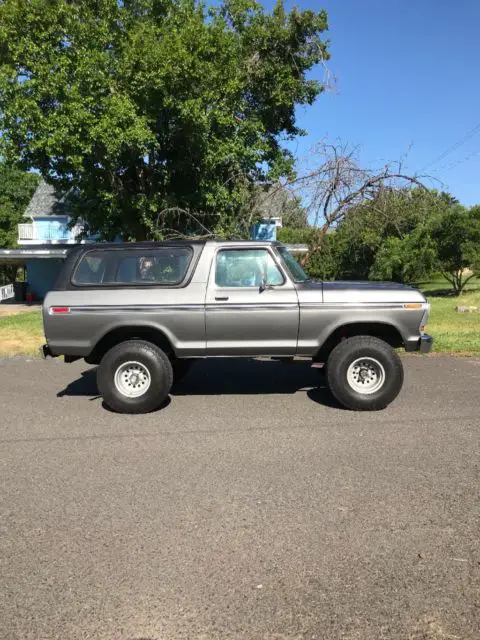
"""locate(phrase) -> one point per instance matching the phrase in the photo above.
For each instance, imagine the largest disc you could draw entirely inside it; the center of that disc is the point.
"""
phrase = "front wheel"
(134, 377)
(364, 373)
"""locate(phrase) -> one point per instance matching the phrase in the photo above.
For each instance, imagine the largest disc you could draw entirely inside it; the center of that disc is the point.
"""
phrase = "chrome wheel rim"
(132, 379)
(366, 375)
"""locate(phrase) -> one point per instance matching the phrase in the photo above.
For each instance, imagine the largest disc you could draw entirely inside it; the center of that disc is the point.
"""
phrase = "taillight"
(59, 310)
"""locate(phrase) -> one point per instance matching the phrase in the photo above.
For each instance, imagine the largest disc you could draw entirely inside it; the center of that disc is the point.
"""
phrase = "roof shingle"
(46, 202)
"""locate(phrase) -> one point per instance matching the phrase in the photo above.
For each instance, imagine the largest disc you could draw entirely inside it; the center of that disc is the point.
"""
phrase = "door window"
(246, 268)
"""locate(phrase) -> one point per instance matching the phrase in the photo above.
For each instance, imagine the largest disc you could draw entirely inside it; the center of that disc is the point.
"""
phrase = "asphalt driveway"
(249, 507)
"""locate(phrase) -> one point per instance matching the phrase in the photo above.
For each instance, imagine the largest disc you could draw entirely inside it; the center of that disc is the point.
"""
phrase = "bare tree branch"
(331, 182)
(337, 182)
(182, 212)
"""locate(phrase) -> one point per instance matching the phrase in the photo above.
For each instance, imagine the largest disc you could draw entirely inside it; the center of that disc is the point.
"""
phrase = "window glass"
(91, 269)
(295, 270)
(165, 266)
(246, 268)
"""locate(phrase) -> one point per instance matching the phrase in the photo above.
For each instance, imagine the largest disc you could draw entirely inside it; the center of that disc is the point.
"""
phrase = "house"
(47, 219)
(43, 239)
(47, 226)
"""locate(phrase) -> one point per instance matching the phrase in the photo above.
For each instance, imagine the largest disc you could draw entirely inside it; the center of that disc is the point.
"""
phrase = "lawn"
(21, 333)
(453, 332)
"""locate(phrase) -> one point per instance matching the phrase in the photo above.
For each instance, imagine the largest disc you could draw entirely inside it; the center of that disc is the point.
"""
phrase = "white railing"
(26, 232)
(6, 292)
(45, 234)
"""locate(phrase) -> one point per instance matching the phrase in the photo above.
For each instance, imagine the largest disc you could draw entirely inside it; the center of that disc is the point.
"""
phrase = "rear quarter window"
(165, 266)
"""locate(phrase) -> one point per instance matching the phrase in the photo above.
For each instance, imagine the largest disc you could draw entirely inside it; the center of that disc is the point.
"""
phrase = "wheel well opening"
(385, 332)
(116, 336)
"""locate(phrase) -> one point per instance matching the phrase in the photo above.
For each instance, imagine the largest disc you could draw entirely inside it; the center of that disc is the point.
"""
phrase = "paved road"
(250, 507)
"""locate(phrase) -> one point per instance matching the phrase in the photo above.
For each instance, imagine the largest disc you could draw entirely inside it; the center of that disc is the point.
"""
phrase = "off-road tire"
(352, 350)
(153, 359)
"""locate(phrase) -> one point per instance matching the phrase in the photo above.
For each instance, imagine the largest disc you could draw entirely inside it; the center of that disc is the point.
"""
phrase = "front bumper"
(423, 344)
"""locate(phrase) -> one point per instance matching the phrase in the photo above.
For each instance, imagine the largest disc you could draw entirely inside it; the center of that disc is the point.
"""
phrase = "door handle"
(221, 298)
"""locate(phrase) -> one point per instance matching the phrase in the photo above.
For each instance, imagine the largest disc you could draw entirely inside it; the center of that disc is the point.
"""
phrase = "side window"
(127, 270)
(91, 269)
(165, 266)
(246, 268)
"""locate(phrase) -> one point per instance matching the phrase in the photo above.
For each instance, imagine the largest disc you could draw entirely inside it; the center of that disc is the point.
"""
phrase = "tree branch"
(180, 211)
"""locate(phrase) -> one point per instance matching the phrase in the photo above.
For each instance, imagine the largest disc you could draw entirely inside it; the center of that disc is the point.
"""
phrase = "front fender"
(318, 325)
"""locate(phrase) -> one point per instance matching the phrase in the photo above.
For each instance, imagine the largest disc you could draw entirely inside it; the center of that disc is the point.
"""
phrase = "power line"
(455, 146)
(452, 165)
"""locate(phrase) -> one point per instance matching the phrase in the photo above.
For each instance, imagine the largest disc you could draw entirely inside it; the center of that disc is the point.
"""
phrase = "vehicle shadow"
(85, 385)
(232, 376)
(243, 376)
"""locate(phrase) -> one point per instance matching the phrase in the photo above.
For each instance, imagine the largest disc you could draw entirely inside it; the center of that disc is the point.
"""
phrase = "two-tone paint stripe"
(363, 305)
(148, 308)
(155, 308)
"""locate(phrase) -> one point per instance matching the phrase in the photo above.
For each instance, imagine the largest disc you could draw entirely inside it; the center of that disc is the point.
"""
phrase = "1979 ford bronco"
(144, 311)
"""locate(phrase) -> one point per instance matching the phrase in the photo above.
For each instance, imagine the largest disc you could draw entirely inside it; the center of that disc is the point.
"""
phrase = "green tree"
(145, 109)
(410, 258)
(457, 238)
(295, 235)
(16, 189)
(389, 238)
(294, 214)
(325, 263)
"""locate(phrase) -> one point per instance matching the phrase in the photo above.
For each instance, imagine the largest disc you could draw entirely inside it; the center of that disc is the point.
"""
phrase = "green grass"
(21, 333)
(453, 332)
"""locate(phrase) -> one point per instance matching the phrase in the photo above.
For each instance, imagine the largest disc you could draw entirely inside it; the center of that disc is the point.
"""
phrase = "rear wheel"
(364, 373)
(134, 377)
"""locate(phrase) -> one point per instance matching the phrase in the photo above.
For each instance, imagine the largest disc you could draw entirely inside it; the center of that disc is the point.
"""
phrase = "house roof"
(18, 256)
(46, 201)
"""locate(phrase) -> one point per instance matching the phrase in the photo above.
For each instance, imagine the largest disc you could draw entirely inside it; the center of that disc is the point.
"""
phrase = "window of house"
(246, 268)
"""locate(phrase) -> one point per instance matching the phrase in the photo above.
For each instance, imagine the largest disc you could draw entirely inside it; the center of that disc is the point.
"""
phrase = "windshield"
(294, 269)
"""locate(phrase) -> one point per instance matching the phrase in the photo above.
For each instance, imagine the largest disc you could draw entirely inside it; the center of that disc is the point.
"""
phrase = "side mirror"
(264, 285)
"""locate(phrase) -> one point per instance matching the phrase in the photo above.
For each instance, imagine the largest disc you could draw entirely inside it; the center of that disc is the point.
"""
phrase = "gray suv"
(144, 311)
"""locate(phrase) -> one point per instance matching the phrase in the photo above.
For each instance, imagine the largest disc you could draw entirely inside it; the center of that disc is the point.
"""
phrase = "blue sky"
(408, 77)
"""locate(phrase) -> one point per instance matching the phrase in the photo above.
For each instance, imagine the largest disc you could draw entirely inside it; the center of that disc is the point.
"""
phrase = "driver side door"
(242, 317)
